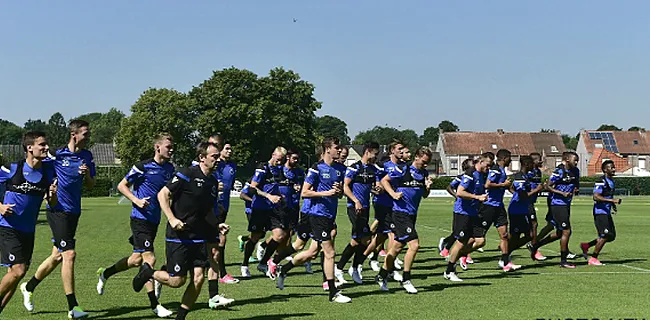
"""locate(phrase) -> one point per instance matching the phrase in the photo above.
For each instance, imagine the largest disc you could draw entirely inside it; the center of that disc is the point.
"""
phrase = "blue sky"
(516, 65)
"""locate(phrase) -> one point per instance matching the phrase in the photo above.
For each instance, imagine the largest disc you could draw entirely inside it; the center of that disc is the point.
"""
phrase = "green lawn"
(538, 290)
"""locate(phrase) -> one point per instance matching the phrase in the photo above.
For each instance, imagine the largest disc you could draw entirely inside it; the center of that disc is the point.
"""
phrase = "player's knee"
(177, 282)
(19, 271)
(479, 243)
(69, 255)
(414, 245)
(198, 279)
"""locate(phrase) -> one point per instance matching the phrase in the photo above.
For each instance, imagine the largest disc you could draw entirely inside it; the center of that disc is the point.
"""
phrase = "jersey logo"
(324, 234)
(606, 231)
(177, 268)
(147, 244)
(63, 243)
(65, 163)
(12, 257)
(408, 230)
(326, 175)
(462, 234)
(175, 179)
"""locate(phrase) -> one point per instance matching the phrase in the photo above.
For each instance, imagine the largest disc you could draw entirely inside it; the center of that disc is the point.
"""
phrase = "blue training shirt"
(363, 177)
(267, 178)
(473, 182)
(384, 199)
(564, 180)
(495, 195)
(410, 181)
(148, 178)
(66, 164)
(605, 188)
(225, 174)
(322, 177)
(520, 201)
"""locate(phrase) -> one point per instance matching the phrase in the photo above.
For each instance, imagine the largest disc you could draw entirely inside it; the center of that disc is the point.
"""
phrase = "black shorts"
(561, 216)
(383, 216)
(183, 257)
(404, 229)
(291, 217)
(64, 229)
(16, 247)
(604, 225)
(466, 227)
(549, 212)
(278, 219)
(360, 227)
(221, 217)
(143, 235)
(490, 215)
(321, 228)
(303, 229)
(259, 220)
(519, 223)
(532, 213)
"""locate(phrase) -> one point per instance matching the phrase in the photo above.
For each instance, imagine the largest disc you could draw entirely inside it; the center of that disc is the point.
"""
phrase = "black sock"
(593, 243)
(544, 242)
(332, 288)
(222, 261)
(270, 249)
(248, 252)
(383, 273)
(152, 299)
(449, 239)
(286, 268)
(213, 288)
(450, 244)
(163, 267)
(283, 254)
(359, 257)
(406, 275)
(348, 252)
(31, 285)
(563, 255)
(72, 301)
(375, 255)
(119, 266)
(505, 258)
(182, 313)
(594, 255)
(451, 267)
(264, 245)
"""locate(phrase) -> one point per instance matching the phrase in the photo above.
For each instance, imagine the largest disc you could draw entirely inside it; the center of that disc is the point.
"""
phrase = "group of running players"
(196, 200)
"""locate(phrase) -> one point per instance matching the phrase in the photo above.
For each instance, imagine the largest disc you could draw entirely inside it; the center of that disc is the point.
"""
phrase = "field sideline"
(538, 290)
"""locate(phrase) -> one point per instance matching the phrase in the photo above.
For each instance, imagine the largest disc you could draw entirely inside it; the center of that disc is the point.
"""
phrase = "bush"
(102, 188)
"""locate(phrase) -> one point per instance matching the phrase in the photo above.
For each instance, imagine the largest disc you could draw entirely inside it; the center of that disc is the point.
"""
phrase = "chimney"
(500, 131)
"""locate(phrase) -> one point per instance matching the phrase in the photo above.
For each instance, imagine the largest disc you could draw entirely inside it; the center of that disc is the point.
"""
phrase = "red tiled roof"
(519, 143)
(624, 141)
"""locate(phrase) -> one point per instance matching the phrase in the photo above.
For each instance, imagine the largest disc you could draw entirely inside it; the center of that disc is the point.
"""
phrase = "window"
(453, 164)
(641, 163)
(554, 149)
(494, 146)
(598, 145)
(514, 165)
(636, 142)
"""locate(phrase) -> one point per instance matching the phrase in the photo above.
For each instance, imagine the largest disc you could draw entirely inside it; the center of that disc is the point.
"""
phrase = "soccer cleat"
(374, 265)
(452, 277)
(533, 251)
(141, 278)
(511, 267)
(157, 288)
(161, 312)
(360, 270)
(397, 276)
(326, 286)
(356, 275)
(101, 282)
(463, 263)
(308, 268)
(242, 243)
(585, 249)
(396, 265)
(383, 283)
(77, 313)
(289, 258)
(382, 253)
(228, 279)
(444, 253)
(252, 260)
(480, 250)
(262, 268)
(469, 260)
(409, 287)
(219, 301)
(339, 275)
(539, 256)
(280, 284)
(441, 244)
(271, 269)
(570, 255)
(260, 252)
(595, 262)
(501, 264)
(339, 298)
(27, 297)
(567, 265)
(245, 273)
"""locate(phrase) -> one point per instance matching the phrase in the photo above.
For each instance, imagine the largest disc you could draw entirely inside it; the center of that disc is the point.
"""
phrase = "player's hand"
(7, 209)
(358, 207)
(377, 189)
(618, 201)
(507, 183)
(296, 187)
(83, 169)
(396, 195)
(142, 203)
(220, 186)
(177, 224)
(224, 228)
(566, 194)
(54, 187)
(482, 198)
(274, 199)
(428, 182)
(337, 187)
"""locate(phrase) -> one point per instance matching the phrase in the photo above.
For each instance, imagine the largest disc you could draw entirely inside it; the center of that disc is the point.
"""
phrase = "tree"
(386, 135)
(156, 111)
(92, 118)
(429, 137)
(608, 127)
(257, 114)
(57, 131)
(544, 130)
(571, 143)
(635, 128)
(332, 126)
(10, 133)
(105, 129)
(447, 126)
(35, 125)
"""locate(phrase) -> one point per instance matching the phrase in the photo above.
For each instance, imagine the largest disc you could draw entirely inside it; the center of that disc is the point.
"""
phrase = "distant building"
(630, 151)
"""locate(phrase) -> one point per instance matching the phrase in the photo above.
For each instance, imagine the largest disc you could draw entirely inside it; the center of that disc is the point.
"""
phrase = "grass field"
(539, 290)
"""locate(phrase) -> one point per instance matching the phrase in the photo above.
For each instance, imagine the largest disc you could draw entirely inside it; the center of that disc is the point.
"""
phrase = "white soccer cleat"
(260, 252)
(161, 312)
(219, 301)
(441, 244)
(339, 275)
(77, 313)
(452, 277)
(101, 282)
(27, 297)
(339, 298)
(480, 250)
(360, 270)
(501, 264)
(374, 265)
(397, 276)
(157, 288)
(398, 264)
(245, 273)
(409, 287)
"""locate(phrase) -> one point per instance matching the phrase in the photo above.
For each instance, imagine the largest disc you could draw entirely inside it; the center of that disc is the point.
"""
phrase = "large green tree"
(156, 111)
(105, 129)
(10, 133)
(608, 127)
(447, 126)
(635, 128)
(330, 126)
(35, 125)
(57, 131)
(385, 135)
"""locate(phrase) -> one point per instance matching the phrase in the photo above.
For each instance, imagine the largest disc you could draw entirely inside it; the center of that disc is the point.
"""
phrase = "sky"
(514, 65)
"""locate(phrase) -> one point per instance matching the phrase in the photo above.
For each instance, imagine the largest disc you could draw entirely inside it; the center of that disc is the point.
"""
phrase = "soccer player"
(493, 210)
(407, 185)
(266, 214)
(147, 178)
(74, 167)
(27, 183)
(345, 151)
(468, 228)
(562, 185)
(326, 177)
(535, 178)
(604, 207)
(360, 178)
(445, 244)
(188, 202)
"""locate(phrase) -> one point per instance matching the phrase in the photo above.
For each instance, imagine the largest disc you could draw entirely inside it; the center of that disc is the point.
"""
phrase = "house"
(104, 155)
(630, 151)
(455, 147)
